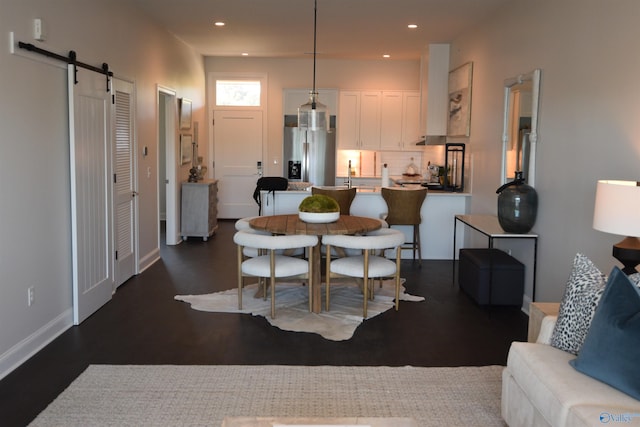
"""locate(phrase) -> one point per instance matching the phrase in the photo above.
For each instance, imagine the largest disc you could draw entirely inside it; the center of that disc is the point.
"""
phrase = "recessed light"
(412, 26)
(219, 24)
(386, 55)
(245, 54)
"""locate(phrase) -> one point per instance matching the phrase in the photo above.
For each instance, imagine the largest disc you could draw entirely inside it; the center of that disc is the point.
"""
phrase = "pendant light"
(313, 115)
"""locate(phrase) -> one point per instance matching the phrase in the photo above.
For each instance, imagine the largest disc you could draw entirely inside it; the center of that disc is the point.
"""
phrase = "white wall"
(294, 73)
(34, 155)
(589, 127)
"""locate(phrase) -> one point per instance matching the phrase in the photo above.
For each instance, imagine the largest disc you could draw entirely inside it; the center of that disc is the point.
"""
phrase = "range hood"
(434, 82)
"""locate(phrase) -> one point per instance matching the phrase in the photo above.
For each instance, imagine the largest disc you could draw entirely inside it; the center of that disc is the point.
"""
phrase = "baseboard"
(21, 352)
(148, 260)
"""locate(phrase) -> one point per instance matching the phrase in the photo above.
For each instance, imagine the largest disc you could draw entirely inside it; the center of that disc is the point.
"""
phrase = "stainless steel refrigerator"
(309, 156)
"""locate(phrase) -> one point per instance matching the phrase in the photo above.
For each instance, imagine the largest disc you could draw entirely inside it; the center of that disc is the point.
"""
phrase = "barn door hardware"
(71, 59)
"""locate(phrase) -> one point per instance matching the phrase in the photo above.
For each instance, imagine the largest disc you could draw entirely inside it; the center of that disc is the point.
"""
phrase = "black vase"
(517, 206)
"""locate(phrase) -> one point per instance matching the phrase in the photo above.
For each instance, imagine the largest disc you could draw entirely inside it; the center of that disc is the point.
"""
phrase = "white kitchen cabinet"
(294, 98)
(359, 120)
(411, 129)
(199, 209)
(391, 121)
(400, 120)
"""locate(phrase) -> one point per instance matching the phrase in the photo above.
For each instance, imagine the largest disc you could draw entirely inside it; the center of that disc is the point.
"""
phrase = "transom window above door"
(238, 93)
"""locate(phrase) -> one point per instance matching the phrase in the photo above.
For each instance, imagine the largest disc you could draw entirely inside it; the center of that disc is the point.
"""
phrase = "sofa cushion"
(557, 390)
(584, 289)
(611, 351)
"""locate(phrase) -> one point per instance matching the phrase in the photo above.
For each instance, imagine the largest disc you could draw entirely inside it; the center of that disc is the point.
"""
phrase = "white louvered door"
(124, 194)
(91, 191)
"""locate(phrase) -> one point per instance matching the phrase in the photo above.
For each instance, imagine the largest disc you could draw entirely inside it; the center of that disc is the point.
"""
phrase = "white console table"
(490, 227)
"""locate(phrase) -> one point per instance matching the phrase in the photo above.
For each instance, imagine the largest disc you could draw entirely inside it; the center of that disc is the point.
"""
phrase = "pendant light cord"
(315, 23)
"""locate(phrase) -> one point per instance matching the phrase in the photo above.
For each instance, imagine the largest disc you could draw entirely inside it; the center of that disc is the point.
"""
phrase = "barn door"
(91, 191)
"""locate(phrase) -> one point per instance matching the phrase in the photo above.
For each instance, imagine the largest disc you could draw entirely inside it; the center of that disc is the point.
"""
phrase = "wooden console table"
(490, 227)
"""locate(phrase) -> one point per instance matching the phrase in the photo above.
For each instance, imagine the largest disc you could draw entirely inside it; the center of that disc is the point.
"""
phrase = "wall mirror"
(520, 126)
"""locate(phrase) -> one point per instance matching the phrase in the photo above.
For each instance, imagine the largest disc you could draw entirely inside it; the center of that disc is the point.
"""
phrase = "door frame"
(211, 102)
(170, 187)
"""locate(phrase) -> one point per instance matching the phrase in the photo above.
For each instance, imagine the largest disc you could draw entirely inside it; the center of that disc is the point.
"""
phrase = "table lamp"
(617, 211)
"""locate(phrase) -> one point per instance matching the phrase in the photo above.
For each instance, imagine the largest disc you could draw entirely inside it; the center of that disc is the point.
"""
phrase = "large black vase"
(517, 206)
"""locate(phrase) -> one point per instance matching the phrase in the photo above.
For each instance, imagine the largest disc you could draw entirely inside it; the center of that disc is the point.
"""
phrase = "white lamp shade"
(617, 208)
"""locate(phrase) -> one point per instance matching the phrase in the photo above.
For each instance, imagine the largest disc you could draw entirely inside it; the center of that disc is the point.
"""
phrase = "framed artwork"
(186, 148)
(459, 118)
(185, 113)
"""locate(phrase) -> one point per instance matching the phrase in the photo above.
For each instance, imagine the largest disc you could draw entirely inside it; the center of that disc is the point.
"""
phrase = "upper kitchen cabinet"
(292, 99)
(400, 120)
(359, 120)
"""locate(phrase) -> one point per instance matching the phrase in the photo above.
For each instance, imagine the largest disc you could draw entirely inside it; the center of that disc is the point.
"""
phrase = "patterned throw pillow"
(581, 296)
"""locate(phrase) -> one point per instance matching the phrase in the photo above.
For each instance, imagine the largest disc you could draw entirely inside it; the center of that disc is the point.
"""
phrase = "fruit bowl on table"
(319, 217)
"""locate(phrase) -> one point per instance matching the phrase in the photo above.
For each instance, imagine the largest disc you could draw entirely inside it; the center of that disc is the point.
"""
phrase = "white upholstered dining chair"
(367, 265)
(243, 224)
(272, 265)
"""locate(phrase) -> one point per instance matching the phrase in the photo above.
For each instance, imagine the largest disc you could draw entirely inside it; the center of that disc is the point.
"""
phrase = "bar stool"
(344, 196)
(403, 207)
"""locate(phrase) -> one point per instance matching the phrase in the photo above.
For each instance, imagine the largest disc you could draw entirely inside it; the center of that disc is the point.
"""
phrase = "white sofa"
(540, 388)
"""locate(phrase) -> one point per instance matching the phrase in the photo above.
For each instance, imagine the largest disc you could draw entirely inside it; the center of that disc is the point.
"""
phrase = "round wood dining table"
(292, 224)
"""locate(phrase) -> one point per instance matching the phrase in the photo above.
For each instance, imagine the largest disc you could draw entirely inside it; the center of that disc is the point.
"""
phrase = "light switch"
(38, 30)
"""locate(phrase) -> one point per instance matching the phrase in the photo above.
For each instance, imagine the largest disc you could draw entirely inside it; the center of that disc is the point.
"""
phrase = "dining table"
(292, 224)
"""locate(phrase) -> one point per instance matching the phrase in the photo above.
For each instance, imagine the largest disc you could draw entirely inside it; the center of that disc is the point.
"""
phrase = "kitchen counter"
(396, 181)
(376, 189)
(438, 212)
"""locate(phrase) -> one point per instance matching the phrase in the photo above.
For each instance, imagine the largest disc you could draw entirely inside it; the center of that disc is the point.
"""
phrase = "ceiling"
(353, 29)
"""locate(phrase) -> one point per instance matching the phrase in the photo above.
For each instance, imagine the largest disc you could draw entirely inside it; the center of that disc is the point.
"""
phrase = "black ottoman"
(478, 266)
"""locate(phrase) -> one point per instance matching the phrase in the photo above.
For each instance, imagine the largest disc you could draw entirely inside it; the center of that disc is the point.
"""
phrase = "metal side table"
(490, 227)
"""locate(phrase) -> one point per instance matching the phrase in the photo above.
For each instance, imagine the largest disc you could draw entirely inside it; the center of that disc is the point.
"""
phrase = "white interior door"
(124, 183)
(238, 150)
(91, 191)
(168, 167)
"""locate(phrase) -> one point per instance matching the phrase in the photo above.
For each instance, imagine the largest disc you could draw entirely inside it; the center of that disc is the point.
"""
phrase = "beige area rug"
(107, 395)
(292, 307)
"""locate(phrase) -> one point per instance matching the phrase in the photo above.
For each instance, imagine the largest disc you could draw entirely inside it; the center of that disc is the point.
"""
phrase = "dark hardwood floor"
(143, 324)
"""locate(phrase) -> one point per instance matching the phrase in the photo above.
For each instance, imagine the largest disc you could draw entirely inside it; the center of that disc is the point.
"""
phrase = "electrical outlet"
(31, 297)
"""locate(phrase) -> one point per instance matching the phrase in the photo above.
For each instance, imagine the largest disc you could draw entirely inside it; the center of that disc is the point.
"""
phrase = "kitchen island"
(438, 212)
